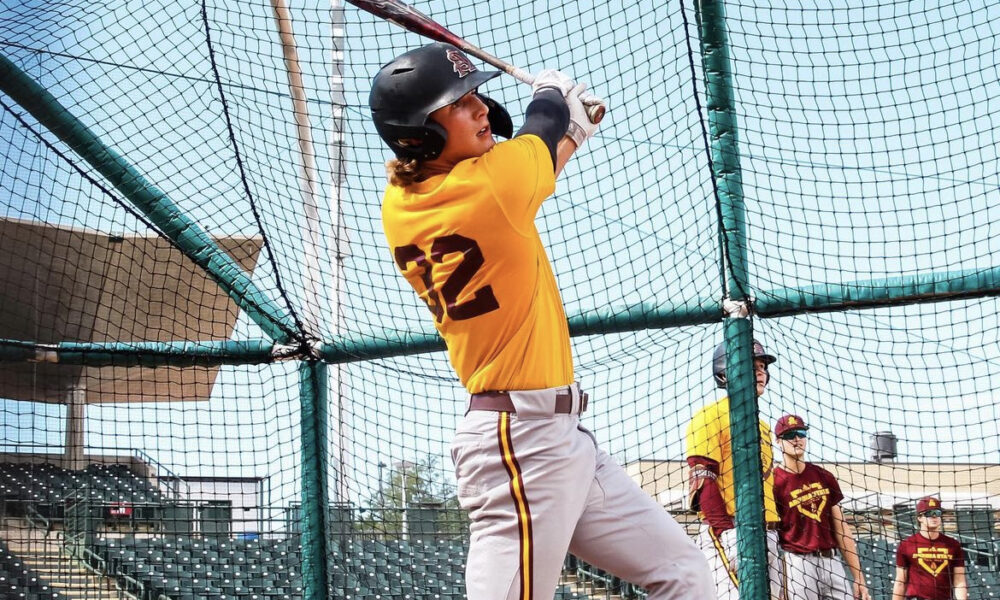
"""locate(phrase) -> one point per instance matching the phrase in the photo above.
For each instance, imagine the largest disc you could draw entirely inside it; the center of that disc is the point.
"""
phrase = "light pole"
(402, 479)
(381, 485)
(402, 466)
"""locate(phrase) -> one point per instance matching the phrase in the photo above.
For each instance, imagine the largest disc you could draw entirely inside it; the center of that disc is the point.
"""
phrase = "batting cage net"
(214, 383)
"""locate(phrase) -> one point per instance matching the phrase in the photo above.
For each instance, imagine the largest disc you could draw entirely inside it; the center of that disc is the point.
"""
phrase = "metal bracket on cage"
(311, 347)
(737, 309)
(307, 348)
(45, 353)
(286, 351)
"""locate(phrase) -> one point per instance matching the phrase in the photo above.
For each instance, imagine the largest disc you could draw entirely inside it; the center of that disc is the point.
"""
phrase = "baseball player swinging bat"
(413, 20)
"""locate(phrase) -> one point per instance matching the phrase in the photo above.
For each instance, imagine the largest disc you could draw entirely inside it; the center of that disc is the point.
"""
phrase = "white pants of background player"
(567, 495)
(811, 577)
(722, 558)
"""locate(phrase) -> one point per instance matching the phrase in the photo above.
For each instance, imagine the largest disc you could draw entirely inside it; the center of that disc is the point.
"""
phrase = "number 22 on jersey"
(483, 300)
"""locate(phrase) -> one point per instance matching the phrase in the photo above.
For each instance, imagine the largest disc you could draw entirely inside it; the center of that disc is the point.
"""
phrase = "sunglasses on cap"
(934, 512)
(793, 434)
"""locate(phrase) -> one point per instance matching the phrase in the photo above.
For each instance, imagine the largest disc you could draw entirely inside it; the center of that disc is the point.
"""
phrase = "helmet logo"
(462, 65)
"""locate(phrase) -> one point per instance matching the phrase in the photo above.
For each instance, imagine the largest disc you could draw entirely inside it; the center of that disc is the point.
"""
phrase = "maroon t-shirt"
(929, 565)
(805, 501)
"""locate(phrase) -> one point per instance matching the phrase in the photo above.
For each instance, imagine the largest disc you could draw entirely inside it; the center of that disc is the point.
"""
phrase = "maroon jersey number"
(482, 301)
(407, 254)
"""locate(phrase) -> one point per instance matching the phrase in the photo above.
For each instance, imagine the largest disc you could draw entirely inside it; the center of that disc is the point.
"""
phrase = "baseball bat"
(413, 20)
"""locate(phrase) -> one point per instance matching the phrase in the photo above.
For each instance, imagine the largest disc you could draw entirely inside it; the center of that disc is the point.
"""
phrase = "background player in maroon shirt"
(929, 564)
(813, 527)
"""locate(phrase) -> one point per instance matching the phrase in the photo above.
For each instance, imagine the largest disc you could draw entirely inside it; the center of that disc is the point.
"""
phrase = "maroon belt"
(501, 402)
(828, 553)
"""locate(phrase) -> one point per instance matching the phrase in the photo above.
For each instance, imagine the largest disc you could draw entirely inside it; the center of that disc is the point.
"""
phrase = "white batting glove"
(580, 127)
(552, 79)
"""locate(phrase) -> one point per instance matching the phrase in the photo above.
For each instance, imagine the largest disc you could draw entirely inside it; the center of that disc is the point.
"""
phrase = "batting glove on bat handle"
(557, 80)
(552, 79)
(581, 124)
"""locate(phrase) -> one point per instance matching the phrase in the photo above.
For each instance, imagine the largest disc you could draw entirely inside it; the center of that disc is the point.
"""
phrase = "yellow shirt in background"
(708, 436)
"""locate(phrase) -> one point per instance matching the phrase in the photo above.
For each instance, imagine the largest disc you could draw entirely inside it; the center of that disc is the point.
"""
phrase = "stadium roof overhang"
(73, 284)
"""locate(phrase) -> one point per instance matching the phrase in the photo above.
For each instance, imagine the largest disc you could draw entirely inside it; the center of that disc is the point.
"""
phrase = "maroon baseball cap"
(789, 423)
(928, 503)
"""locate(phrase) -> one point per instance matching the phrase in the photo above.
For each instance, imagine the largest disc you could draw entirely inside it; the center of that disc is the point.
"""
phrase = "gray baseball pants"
(724, 562)
(811, 577)
(536, 487)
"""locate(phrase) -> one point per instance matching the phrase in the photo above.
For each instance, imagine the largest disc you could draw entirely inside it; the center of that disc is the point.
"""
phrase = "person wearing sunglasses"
(813, 528)
(929, 564)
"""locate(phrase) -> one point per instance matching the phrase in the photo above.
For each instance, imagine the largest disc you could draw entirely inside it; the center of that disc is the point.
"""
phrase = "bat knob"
(596, 112)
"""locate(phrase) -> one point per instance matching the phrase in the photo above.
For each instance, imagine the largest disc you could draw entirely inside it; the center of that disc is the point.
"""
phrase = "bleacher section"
(393, 568)
(195, 568)
(878, 561)
(161, 563)
(186, 568)
(983, 582)
(18, 582)
(596, 578)
(46, 486)
(192, 568)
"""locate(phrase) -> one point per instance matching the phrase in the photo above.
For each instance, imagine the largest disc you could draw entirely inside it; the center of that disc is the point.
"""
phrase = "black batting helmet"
(407, 90)
(719, 361)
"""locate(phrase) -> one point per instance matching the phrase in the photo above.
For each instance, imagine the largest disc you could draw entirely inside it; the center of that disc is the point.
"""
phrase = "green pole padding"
(155, 204)
(744, 433)
(313, 379)
(874, 293)
(942, 286)
(856, 295)
(145, 354)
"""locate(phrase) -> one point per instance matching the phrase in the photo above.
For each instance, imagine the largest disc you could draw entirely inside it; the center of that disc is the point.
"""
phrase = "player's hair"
(404, 172)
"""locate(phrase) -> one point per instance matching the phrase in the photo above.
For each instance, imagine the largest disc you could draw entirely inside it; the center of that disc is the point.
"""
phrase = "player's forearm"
(564, 150)
(845, 541)
(854, 563)
(898, 588)
(961, 589)
(713, 507)
(547, 117)
(849, 549)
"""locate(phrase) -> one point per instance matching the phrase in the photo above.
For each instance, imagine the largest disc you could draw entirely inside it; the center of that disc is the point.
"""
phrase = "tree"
(413, 499)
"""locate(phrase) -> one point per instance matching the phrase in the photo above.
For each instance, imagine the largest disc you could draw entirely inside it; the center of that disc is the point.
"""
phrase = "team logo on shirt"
(933, 559)
(462, 65)
(810, 500)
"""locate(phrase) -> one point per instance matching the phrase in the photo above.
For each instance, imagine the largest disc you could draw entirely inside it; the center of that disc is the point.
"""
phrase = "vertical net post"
(745, 437)
(313, 390)
(741, 383)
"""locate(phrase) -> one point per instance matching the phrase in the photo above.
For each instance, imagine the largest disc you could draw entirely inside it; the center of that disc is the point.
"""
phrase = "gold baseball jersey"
(467, 243)
(708, 436)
